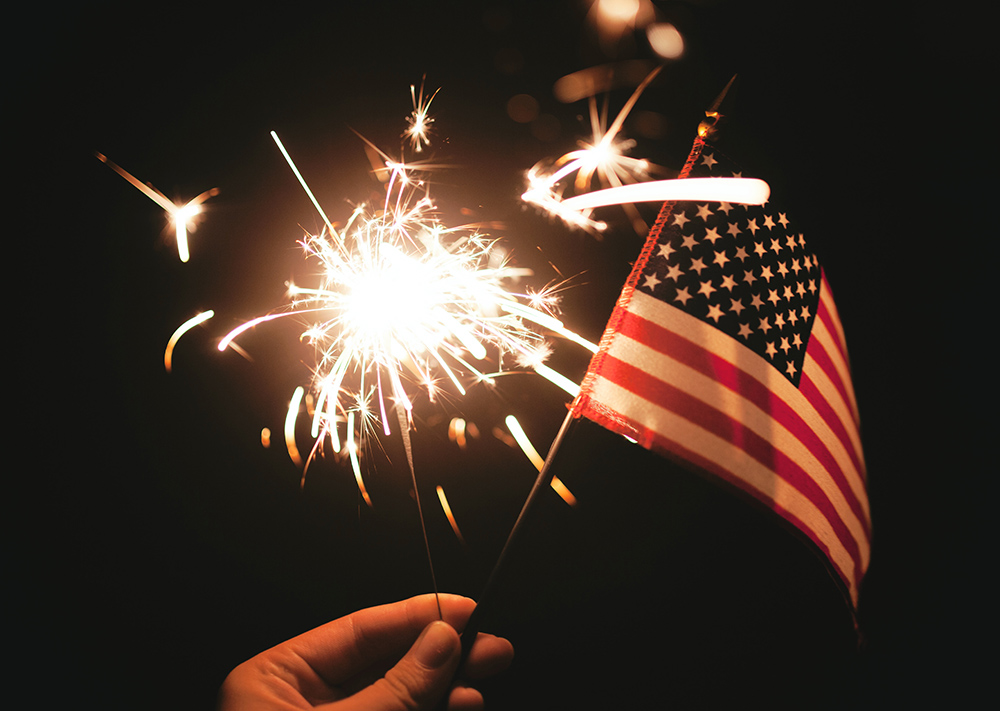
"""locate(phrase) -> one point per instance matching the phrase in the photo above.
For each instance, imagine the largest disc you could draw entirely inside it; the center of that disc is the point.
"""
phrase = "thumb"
(419, 680)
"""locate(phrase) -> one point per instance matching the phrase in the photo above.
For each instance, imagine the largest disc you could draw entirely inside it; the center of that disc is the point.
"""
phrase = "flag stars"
(733, 229)
(771, 350)
(752, 226)
(651, 282)
(800, 289)
(698, 265)
(745, 330)
(805, 313)
(721, 258)
(782, 269)
(796, 341)
(748, 277)
(793, 318)
(759, 249)
(785, 346)
(683, 296)
(666, 249)
(796, 266)
(802, 240)
(712, 235)
(791, 369)
(714, 312)
(704, 212)
(782, 219)
(689, 242)
(765, 325)
(766, 274)
(725, 207)
(708, 161)
(788, 295)
(791, 241)
(707, 289)
(756, 301)
(779, 321)
(768, 222)
(741, 254)
(680, 219)
(673, 272)
(728, 282)
(775, 246)
(736, 305)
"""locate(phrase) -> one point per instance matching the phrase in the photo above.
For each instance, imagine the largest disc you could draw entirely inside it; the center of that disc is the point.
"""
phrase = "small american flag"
(725, 351)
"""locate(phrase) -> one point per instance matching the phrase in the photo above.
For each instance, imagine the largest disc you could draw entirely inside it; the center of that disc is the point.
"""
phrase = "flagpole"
(706, 131)
(542, 482)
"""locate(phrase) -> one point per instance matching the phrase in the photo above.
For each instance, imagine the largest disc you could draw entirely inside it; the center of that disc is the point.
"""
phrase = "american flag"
(725, 351)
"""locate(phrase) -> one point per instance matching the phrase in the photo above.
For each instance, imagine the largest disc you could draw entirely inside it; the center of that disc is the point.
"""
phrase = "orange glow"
(265, 437)
(168, 354)
(447, 512)
(290, 418)
(536, 459)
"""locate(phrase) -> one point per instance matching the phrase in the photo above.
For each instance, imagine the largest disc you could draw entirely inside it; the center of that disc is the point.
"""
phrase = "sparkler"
(406, 305)
(181, 215)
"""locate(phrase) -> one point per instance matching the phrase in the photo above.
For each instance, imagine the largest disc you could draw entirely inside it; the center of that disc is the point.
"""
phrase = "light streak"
(446, 507)
(536, 459)
(181, 215)
(168, 353)
(290, 418)
(746, 191)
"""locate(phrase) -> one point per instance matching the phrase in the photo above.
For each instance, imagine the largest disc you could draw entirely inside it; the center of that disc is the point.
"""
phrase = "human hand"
(361, 662)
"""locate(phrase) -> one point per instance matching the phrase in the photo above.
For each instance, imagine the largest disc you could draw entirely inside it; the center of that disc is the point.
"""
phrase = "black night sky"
(156, 544)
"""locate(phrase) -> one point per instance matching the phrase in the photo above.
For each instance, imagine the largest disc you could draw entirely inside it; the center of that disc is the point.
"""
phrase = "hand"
(361, 662)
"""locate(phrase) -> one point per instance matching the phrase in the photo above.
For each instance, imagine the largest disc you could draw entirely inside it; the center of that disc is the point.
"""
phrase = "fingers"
(489, 656)
(419, 680)
(348, 646)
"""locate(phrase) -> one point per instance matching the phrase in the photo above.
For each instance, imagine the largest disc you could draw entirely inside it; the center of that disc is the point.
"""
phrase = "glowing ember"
(181, 215)
(536, 459)
(446, 507)
(168, 354)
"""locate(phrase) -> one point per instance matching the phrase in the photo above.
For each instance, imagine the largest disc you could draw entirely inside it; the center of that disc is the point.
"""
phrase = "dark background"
(155, 544)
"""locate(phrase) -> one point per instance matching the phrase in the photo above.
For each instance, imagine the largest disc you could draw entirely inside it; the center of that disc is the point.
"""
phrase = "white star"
(741, 253)
(771, 350)
(768, 222)
(721, 258)
(752, 226)
(666, 249)
(689, 242)
(745, 330)
(765, 326)
(680, 218)
(673, 272)
(790, 369)
(733, 229)
(704, 212)
(782, 219)
(728, 282)
(708, 160)
(651, 281)
(714, 312)
(725, 207)
(712, 235)
(737, 306)
(698, 265)
(682, 296)
(706, 288)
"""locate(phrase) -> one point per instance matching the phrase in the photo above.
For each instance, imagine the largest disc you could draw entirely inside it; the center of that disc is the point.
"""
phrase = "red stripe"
(823, 360)
(728, 375)
(654, 390)
(673, 450)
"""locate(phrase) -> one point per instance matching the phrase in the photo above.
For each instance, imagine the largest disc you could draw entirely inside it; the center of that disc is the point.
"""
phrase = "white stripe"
(734, 460)
(744, 411)
(812, 370)
(741, 357)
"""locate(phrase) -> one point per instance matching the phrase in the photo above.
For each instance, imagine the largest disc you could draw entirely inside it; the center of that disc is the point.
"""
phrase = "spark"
(182, 216)
(406, 305)
(419, 120)
(605, 156)
(446, 507)
(536, 459)
(168, 353)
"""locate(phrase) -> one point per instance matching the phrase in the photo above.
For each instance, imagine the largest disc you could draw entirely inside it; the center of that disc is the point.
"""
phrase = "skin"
(395, 657)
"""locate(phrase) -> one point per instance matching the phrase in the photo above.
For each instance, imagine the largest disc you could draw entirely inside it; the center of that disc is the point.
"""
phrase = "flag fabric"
(725, 351)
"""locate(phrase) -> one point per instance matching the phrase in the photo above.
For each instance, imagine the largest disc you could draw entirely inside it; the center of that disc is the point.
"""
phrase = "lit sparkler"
(181, 215)
(405, 303)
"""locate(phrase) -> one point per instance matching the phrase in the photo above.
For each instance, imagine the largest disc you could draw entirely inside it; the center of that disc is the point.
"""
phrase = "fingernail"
(436, 645)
